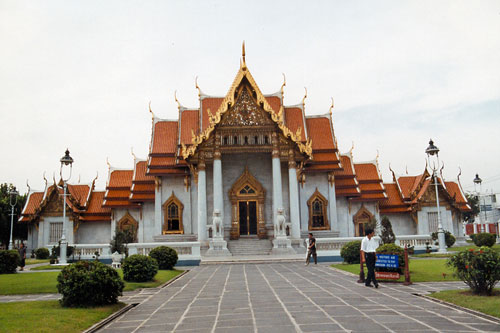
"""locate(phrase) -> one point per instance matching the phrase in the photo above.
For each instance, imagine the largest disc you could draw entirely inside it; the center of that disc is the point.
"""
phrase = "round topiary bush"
(9, 260)
(479, 269)
(449, 239)
(165, 256)
(392, 249)
(484, 239)
(139, 268)
(42, 253)
(350, 252)
(89, 283)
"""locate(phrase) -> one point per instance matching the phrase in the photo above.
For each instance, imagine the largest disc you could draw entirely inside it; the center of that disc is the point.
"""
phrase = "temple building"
(242, 166)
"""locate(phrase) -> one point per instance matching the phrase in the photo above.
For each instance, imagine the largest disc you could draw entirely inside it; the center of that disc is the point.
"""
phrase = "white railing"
(185, 250)
(332, 246)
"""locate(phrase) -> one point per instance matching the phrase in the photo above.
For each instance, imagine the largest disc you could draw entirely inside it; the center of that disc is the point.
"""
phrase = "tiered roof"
(405, 194)
(118, 189)
(81, 200)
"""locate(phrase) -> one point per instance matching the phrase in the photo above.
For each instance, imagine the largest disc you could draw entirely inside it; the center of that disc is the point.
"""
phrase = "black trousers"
(370, 265)
(313, 253)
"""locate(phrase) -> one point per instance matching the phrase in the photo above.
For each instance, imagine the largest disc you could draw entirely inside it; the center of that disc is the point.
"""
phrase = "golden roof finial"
(107, 162)
(29, 188)
(352, 148)
(197, 87)
(305, 96)
(152, 114)
(284, 84)
(459, 173)
(243, 64)
(96, 176)
(331, 108)
(176, 100)
(44, 178)
(132, 152)
(407, 169)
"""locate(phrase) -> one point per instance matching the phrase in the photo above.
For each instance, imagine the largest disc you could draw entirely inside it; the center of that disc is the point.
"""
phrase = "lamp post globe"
(66, 161)
(13, 202)
(432, 151)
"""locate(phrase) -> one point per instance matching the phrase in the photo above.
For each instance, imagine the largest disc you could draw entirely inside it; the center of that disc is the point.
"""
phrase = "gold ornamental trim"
(229, 101)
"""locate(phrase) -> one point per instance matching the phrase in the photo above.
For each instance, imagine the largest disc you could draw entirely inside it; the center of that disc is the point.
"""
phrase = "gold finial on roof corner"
(407, 169)
(305, 96)
(45, 178)
(283, 85)
(28, 186)
(196, 86)
(243, 63)
(352, 148)
(132, 152)
(107, 162)
(96, 176)
(179, 106)
(459, 173)
(152, 114)
(331, 108)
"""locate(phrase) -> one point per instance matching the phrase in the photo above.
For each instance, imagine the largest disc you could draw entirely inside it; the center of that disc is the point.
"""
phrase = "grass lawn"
(45, 267)
(36, 261)
(49, 316)
(422, 270)
(485, 304)
(452, 250)
(46, 282)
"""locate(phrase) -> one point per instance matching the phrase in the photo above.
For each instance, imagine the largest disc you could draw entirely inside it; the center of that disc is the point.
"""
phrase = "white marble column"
(158, 203)
(202, 201)
(218, 192)
(277, 188)
(332, 203)
(294, 195)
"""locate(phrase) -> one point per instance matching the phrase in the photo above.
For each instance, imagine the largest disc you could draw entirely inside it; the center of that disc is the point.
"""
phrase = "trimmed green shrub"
(351, 252)
(9, 260)
(484, 239)
(479, 269)
(139, 268)
(387, 235)
(89, 283)
(165, 256)
(449, 239)
(392, 249)
(42, 253)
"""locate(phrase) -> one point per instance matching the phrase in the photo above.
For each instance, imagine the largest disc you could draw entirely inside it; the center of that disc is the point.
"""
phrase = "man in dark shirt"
(311, 249)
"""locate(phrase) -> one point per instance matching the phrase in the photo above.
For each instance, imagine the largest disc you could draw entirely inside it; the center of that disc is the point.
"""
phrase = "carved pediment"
(246, 112)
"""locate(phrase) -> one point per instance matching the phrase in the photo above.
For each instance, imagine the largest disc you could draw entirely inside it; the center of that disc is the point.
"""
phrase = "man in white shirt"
(368, 247)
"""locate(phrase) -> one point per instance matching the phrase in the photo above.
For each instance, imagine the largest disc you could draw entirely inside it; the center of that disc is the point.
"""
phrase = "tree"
(387, 234)
(473, 201)
(20, 229)
(121, 239)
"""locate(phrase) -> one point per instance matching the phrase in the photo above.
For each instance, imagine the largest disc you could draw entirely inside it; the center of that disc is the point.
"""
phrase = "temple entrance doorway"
(248, 217)
(247, 197)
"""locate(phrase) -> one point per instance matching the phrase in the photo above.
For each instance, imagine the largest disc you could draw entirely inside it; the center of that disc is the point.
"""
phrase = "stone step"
(175, 238)
(249, 246)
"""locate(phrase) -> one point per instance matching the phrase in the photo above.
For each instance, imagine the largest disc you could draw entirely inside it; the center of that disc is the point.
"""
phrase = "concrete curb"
(110, 318)
(458, 307)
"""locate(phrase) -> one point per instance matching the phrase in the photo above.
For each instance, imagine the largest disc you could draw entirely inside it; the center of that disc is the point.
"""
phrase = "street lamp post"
(478, 181)
(13, 201)
(431, 151)
(65, 161)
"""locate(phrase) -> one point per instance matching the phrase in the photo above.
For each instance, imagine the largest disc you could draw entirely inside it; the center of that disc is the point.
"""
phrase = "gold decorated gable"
(246, 102)
(245, 112)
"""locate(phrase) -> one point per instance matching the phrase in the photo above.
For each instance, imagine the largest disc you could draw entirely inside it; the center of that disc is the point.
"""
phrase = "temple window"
(55, 232)
(173, 216)
(129, 225)
(225, 140)
(317, 205)
(266, 140)
(361, 219)
(235, 140)
(246, 140)
(256, 140)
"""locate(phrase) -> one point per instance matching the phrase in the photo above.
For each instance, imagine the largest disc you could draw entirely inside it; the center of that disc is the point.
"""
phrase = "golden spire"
(107, 162)
(352, 148)
(132, 151)
(305, 96)
(29, 188)
(243, 64)
(197, 87)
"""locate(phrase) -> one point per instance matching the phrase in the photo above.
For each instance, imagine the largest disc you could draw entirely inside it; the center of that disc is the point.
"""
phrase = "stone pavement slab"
(289, 297)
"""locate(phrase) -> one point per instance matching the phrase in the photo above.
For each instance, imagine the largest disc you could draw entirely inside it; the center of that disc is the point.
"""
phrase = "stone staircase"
(249, 246)
(175, 238)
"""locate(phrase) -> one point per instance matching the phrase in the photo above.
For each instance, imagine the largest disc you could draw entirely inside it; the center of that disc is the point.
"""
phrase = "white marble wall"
(313, 181)
(93, 233)
(423, 225)
(176, 185)
(44, 231)
(402, 224)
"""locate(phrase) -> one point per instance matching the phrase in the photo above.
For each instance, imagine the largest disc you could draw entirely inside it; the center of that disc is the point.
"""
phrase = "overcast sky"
(80, 74)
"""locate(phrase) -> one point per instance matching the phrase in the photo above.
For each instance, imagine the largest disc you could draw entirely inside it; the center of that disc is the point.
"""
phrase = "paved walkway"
(288, 297)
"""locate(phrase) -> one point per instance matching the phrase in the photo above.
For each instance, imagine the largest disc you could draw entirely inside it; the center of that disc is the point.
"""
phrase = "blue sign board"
(387, 261)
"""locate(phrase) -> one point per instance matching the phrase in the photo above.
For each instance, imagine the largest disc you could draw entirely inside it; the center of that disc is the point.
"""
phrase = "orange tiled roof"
(79, 192)
(165, 137)
(319, 130)
(408, 184)
(118, 189)
(33, 202)
(212, 103)
(189, 122)
(162, 162)
(370, 182)
(294, 120)
(140, 173)
(95, 204)
(120, 179)
(394, 202)
(274, 102)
